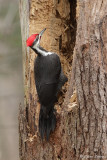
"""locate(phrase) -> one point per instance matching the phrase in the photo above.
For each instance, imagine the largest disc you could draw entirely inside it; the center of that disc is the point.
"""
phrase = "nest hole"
(66, 51)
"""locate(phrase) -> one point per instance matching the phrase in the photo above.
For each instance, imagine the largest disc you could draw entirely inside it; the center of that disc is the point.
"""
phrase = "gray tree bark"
(81, 109)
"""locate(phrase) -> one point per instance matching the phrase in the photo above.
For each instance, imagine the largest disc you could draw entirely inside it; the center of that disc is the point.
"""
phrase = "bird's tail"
(47, 121)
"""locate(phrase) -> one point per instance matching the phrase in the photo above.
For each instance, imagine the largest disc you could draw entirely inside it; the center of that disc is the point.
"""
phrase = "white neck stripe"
(42, 52)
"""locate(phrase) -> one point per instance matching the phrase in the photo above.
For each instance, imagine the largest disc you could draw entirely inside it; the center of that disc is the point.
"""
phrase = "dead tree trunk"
(81, 108)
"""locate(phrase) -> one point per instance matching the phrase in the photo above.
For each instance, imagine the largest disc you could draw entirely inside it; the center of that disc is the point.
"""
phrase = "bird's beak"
(41, 33)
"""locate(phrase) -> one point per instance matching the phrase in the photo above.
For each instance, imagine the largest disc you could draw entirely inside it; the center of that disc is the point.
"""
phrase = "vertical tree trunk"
(81, 108)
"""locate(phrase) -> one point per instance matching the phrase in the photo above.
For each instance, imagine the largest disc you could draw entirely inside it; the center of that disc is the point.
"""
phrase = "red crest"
(30, 40)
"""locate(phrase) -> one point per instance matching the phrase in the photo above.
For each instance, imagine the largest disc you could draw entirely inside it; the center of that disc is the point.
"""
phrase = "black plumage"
(49, 79)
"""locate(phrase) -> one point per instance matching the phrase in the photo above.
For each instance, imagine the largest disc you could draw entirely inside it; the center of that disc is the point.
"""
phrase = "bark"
(81, 108)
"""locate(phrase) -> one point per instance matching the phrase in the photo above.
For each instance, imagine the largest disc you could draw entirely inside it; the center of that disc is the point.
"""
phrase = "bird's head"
(34, 40)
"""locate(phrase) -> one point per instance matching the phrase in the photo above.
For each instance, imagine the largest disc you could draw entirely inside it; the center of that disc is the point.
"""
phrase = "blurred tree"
(81, 129)
(11, 82)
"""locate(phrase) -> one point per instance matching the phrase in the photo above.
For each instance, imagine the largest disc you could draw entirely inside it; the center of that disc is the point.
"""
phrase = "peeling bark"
(81, 109)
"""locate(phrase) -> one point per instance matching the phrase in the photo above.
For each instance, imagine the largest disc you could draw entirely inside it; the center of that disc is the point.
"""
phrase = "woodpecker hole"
(60, 42)
(67, 41)
(27, 114)
(58, 1)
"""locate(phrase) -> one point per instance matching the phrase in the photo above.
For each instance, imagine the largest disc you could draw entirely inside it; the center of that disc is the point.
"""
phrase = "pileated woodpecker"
(49, 78)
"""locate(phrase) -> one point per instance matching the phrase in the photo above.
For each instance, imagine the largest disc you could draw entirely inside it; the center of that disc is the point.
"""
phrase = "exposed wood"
(81, 129)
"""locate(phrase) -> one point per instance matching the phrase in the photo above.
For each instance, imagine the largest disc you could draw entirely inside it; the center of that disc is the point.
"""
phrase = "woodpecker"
(49, 79)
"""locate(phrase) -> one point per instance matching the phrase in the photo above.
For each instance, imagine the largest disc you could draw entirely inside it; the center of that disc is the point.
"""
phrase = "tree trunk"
(81, 109)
